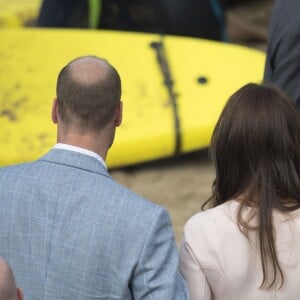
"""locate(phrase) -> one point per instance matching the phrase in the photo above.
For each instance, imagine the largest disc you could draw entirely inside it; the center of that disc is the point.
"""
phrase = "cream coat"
(219, 262)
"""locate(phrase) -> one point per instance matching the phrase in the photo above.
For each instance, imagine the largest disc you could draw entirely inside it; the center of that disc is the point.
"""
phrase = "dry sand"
(182, 184)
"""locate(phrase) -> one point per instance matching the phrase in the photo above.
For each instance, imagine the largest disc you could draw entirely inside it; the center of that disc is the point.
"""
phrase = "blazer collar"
(76, 160)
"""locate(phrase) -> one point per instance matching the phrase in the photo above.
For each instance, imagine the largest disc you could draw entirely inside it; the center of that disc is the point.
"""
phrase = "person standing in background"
(194, 18)
(282, 63)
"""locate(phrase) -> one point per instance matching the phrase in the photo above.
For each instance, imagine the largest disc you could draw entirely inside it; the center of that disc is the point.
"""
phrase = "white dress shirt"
(219, 262)
(80, 150)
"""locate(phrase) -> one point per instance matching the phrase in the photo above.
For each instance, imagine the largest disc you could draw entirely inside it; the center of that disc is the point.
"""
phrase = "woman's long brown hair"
(255, 149)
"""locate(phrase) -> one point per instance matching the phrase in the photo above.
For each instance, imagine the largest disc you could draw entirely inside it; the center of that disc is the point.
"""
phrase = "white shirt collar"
(80, 150)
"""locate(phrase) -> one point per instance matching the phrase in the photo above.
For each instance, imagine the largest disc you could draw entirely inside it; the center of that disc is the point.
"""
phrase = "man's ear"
(119, 114)
(54, 112)
(20, 294)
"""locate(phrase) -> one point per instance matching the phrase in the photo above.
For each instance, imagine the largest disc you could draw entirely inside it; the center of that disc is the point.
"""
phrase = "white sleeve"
(193, 274)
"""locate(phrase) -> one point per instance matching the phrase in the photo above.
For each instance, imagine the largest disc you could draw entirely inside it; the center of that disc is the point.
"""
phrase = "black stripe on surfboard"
(161, 58)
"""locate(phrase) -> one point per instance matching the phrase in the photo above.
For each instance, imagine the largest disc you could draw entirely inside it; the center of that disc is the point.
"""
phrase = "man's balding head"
(88, 92)
(8, 289)
(89, 70)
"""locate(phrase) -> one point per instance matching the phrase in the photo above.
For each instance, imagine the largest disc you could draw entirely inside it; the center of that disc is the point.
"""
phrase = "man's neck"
(80, 150)
(88, 142)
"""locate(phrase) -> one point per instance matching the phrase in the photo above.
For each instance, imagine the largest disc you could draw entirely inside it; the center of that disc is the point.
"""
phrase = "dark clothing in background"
(63, 13)
(283, 54)
(196, 18)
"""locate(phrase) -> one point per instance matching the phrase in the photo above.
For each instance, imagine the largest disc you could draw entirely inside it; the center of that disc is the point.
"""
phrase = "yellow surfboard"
(16, 13)
(173, 89)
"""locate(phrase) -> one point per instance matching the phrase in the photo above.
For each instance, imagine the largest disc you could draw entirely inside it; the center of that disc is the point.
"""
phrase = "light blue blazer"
(70, 231)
